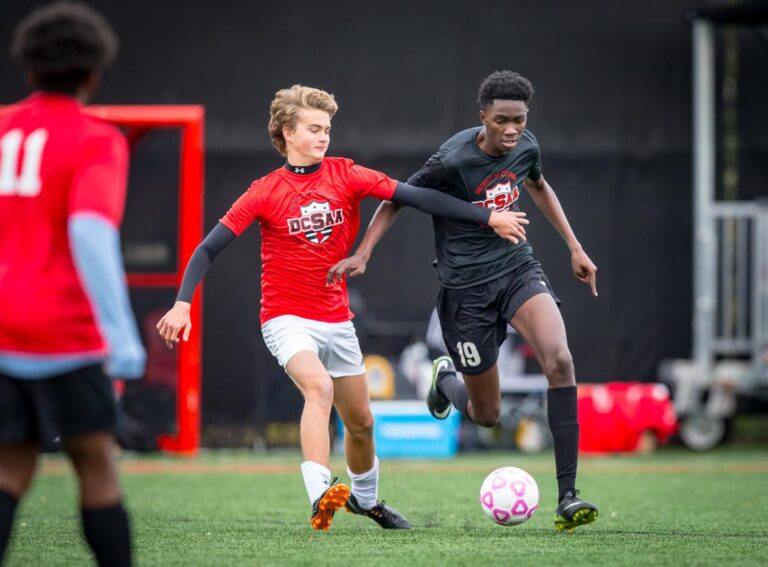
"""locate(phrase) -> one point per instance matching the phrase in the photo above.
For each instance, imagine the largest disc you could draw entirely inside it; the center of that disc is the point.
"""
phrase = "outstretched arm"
(544, 196)
(509, 225)
(177, 319)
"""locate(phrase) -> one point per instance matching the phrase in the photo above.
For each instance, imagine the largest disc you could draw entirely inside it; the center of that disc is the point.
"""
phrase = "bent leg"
(477, 397)
(484, 405)
(540, 323)
(17, 465)
(315, 384)
(94, 464)
(350, 397)
(104, 519)
(308, 373)
(473, 330)
(351, 401)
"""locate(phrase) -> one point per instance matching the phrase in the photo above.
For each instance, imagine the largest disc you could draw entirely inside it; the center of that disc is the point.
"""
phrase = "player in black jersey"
(487, 282)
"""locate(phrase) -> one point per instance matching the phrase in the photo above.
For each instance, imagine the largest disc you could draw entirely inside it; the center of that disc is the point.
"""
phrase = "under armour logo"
(299, 170)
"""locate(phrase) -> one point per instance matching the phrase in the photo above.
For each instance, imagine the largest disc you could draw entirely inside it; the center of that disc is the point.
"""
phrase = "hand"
(353, 266)
(584, 269)
(174, 322)
(126, 359)
(509, 225)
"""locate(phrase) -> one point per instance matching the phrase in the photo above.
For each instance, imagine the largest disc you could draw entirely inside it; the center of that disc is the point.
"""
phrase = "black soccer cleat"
(323, 509)
(439, 406)
(386, 516)
(573, 512)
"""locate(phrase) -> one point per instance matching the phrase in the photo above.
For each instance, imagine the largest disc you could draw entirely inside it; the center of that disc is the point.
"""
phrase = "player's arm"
(95, 248)
(431, 174)
(177, 320)
(97, 202)
(435, 175)
(509, 225)
(546, 200)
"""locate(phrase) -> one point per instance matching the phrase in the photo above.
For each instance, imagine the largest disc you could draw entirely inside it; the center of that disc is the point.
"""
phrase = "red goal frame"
(137, 121)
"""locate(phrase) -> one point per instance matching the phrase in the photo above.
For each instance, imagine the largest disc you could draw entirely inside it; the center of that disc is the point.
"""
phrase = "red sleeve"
(369, 183)
(245, 210)
(100, 179)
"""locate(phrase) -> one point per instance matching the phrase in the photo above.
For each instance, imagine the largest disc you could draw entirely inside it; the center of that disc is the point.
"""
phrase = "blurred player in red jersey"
(309, 216)
(63, 300)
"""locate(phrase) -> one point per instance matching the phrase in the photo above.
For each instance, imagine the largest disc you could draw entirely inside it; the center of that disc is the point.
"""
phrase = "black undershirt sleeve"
(201, 260)
(439, 204)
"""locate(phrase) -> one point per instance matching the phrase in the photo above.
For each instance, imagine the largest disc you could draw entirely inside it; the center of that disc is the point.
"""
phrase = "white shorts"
(335, 344)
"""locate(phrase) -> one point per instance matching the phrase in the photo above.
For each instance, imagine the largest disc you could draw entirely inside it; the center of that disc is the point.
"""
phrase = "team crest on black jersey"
(316, 221)
(500, 197)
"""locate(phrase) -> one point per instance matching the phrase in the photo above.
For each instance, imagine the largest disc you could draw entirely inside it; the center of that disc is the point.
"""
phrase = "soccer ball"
(509, 496)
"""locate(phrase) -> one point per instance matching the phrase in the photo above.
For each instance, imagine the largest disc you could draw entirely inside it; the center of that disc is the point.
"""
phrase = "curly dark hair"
(504, 85)
(61, 44)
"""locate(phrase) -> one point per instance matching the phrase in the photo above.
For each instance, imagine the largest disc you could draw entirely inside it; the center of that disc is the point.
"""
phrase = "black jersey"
(467, 253)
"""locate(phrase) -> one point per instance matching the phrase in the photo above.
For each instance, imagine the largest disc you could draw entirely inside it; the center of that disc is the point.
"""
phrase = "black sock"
(564, 425)
(7, 510)
(107, 532)
(454, 389)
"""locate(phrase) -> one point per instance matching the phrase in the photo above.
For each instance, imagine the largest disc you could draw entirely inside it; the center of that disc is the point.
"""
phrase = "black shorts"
(474, 319)
(76, 403)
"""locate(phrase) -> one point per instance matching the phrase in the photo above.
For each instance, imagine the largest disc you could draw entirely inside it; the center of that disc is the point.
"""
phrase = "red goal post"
(137, 121)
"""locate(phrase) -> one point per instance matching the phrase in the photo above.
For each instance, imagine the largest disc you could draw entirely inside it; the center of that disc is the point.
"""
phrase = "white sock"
(365, 486)
(317, 478)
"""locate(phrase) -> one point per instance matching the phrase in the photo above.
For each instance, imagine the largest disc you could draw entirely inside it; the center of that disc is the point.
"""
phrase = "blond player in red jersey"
(64, 309)
(309, 216)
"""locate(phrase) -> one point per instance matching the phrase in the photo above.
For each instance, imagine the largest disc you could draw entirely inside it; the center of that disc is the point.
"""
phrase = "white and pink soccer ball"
(509, 496)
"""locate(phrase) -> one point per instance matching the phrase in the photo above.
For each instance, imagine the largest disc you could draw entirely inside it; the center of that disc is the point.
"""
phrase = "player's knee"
(360, 427)
(91, 451)
(15, 484)
(319, 391)
(487, 416)
(17, 466)
(558, 367)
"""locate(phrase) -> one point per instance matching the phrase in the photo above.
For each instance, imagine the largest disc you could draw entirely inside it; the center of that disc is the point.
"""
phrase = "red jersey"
(308, 223)
(54, 162)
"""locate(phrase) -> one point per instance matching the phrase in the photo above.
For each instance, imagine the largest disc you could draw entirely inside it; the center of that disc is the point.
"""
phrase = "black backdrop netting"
(612, 113)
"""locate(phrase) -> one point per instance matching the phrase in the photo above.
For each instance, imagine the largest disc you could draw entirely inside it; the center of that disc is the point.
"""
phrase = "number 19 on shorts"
(468, 353)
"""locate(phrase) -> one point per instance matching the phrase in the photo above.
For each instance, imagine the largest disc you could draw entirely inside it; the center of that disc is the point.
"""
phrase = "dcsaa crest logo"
(316, 221)
(500, 197)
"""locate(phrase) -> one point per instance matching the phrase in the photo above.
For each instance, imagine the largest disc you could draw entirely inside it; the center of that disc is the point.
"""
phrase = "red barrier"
(624, 416)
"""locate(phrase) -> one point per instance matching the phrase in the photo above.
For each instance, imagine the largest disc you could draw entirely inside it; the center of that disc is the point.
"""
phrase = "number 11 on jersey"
(28, 182)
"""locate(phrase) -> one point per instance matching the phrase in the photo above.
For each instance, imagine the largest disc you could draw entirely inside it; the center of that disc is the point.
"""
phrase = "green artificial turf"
(672, 508)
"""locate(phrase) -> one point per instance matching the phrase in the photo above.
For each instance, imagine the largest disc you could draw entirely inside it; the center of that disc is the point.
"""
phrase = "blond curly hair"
(284, 110)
